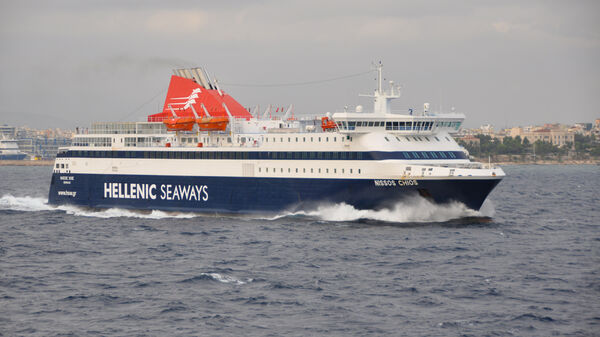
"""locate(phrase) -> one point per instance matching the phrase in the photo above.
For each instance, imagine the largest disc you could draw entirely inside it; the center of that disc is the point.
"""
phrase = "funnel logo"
(189, 100)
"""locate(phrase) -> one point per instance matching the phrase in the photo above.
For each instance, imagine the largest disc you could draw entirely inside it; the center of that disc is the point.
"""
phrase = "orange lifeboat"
(327, 124)
(212, 123)
(180, 123)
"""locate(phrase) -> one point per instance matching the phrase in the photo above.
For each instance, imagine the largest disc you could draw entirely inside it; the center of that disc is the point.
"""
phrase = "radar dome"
(359, 108)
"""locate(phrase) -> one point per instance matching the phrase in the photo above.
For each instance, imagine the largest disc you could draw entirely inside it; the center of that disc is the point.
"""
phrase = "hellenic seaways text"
(152, 191)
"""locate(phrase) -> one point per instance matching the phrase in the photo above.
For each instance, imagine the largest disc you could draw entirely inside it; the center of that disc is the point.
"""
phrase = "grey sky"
(68, 63)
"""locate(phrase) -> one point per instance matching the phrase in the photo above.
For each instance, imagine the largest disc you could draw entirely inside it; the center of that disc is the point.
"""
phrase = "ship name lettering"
(390, 182)
(184, 192)
(385, 182)
(149, 191)
(129, 191)
(408, 182)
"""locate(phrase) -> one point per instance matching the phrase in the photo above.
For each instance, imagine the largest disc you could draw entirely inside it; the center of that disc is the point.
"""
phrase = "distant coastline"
(541, 161)
(26, 162)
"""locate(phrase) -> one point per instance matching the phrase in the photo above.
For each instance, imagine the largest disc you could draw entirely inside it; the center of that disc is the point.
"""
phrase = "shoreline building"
(556, 134)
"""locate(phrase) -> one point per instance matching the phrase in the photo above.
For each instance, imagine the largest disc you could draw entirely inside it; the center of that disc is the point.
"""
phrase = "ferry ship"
(9, 149)
(205, 152)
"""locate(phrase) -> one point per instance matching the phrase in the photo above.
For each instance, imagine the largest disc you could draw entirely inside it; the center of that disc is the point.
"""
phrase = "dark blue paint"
(246, 195)
(19, 156)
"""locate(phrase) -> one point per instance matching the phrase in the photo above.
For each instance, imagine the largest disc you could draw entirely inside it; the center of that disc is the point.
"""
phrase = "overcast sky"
(68, 63)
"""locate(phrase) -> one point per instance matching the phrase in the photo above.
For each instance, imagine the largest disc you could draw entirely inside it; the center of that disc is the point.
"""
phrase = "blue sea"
(527, 264)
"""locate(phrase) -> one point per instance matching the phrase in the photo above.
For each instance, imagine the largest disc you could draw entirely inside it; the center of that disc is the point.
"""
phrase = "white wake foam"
(410, 210)
(31, 204)
(226, 278)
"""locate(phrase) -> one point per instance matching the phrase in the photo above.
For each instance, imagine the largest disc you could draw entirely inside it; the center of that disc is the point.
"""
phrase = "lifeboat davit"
(180, 123)
(327, 124)
(212, 123)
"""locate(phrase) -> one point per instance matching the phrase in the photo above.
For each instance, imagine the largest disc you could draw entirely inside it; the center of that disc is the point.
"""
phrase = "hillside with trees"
(521, 150)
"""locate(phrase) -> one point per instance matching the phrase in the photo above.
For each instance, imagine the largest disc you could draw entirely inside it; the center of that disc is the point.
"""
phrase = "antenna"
(380, 78)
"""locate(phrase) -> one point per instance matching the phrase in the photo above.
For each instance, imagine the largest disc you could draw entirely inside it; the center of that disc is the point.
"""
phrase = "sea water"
(528, 263)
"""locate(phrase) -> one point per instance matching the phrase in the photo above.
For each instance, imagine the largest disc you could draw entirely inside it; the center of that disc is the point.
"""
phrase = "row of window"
(400, 125)
(311, 170)
(304, 139)
(255, 155)
(91, 141)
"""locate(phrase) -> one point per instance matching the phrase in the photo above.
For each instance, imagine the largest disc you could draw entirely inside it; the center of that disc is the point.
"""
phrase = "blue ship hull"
(20, 156)
(251, 194)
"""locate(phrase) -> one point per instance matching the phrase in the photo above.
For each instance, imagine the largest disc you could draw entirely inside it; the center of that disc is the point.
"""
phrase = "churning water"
(528, 263)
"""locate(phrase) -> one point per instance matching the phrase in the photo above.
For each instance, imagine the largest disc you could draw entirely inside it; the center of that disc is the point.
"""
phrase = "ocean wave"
(27, 204)
(407, 211)
(217, 277)
(36, 204)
